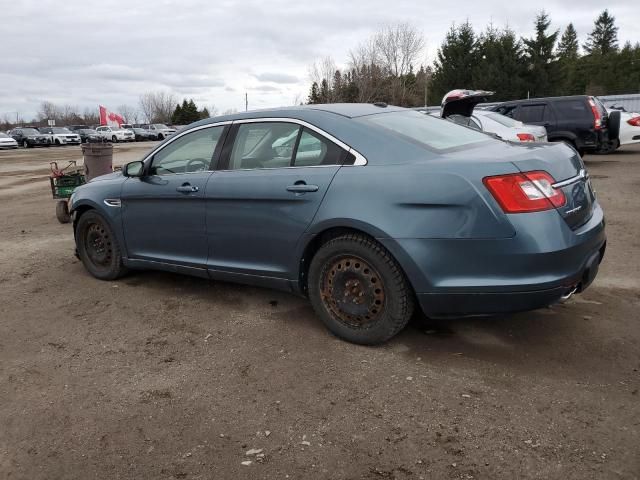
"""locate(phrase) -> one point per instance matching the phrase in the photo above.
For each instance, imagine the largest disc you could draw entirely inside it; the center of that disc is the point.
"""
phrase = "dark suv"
(581, 120)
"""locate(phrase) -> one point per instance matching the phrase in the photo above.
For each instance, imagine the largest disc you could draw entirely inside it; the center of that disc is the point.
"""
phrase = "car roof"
(348, 110)
(534, 100)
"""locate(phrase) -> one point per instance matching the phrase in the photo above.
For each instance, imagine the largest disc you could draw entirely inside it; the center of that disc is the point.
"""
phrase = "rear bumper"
(543, 262)
(486, 303)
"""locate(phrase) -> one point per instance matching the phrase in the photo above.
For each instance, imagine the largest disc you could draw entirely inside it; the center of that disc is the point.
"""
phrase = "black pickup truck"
(579, 120)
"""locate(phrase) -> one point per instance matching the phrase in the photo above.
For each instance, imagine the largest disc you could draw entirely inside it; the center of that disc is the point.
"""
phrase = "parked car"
(629, 130)
(396, 210)
(115, 134)
(581, 121)
(160, 130)
(30, 137)
(75, 128)
(143, 135)
(61, 136)
(459, 107)
(7, 142)
(89, 135)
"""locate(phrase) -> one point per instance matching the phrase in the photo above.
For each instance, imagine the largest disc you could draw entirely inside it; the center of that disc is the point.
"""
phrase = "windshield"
(60, 130)
(503, 120)
(3, 135)
(30, 131)
(427, 130)
(88, 131)
(160, 126)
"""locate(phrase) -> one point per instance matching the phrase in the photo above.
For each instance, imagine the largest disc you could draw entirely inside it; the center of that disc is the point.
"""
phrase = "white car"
(7, 142)
(159, 130)
(506, 128)
(116, 134)
(629, 128)
(61, 136)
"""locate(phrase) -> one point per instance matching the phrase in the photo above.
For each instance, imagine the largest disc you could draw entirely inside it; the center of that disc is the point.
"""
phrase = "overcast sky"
(84, 52)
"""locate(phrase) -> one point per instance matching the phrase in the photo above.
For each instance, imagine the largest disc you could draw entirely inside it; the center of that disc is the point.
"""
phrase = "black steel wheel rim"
(352, 291)
(98, 245)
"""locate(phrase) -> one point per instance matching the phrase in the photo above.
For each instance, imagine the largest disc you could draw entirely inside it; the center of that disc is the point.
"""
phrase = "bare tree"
(364, 62)
(398, 48)
(48, 111)
(321, 72)
(129, 113)
(157, 106)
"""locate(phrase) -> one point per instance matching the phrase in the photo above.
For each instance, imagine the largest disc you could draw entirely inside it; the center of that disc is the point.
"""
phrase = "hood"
(108, 176)
(462, 102)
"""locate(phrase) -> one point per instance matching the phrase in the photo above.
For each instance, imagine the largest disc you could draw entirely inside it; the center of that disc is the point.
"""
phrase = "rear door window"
(264, 145)
(531, 113)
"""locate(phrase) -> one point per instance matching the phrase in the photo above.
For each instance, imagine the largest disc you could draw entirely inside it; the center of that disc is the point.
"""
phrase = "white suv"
(159, 130)
(116, 134)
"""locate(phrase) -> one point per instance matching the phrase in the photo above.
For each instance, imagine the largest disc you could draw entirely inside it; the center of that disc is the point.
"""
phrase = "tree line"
(152, 107)
(387, 66)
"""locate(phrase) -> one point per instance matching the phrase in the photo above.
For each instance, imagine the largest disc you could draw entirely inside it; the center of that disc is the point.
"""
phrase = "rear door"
(273, 177)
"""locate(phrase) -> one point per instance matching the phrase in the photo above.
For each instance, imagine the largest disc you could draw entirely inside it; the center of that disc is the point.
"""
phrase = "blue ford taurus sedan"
(371, 211)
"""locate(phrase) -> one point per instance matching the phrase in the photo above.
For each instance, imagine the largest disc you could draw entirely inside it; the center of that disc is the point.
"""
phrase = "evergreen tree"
(456, 59)
(324, 91)
(314, 94)
(176, 118)
(568, 46)
(205, 113)
(540, 57)
(603, 39)
(570, 80)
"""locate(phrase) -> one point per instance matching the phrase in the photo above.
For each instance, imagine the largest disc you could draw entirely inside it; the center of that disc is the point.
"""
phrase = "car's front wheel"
(358, 290)
(98, 247)
(25, 144)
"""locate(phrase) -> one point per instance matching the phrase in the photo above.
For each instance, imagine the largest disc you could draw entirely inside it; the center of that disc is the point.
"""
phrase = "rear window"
(503, 120)
(429, 131)
(573, 109)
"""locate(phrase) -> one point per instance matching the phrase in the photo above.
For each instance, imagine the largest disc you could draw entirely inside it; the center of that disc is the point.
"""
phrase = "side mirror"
(133, 169)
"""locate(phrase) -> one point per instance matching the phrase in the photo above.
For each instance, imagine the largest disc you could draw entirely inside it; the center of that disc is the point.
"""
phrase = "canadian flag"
(109, 118)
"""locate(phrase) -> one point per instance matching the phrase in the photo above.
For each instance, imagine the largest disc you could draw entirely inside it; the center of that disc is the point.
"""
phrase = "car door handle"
(302, 188)
(186, 188)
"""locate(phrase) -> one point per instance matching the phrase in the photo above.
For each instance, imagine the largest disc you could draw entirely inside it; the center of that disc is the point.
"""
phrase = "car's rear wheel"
(114, 139)
(358, 290)
(98, 247)
(62, 211)
(25, 144)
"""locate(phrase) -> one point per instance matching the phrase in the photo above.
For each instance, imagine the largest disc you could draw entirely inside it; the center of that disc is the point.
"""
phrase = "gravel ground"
(161, 376)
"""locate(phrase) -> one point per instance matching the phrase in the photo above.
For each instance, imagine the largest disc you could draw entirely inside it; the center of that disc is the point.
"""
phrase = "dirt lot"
(161, 376)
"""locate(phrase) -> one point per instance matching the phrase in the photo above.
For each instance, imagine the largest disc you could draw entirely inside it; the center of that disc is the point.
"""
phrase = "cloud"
(84, 53)
(277, 77)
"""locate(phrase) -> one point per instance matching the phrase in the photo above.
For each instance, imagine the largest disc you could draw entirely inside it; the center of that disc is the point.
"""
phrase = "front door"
(164, 211)
(263, 199)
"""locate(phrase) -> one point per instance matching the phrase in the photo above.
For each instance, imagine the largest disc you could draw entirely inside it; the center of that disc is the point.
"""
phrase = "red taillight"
(634, 122)
(526, 137)
(597, 120)
(525, 192)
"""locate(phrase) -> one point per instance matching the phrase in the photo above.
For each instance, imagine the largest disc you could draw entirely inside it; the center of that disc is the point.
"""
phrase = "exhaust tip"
(569, 294)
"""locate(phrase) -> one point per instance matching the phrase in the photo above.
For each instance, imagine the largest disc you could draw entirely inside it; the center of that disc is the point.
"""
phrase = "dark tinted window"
(531, 113)
(314, 149)
(572, 109)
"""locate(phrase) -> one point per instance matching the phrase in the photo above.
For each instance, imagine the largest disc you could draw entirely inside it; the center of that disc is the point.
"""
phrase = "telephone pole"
(246, 101)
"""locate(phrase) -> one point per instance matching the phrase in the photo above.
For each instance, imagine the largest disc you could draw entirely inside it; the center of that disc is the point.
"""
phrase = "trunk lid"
(462, 102)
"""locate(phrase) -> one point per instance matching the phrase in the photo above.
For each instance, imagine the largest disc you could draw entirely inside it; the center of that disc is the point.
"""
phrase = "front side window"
(187, 154)
(426, 130)
(263, 145)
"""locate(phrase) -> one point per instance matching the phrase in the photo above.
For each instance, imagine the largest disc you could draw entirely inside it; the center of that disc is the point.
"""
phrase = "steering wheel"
(201, 165)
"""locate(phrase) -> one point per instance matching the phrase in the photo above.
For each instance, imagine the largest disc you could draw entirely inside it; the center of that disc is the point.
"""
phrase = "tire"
(98, 247)
(614, 125)
(114, 139)
(25, 144)
(359, 291)
(160, 137)
(62, 211)
(57, 142)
